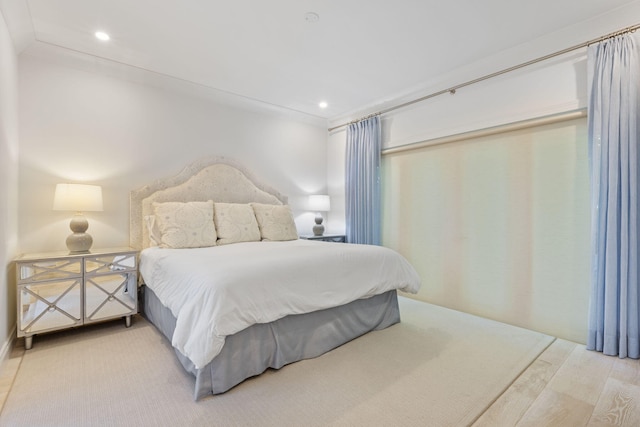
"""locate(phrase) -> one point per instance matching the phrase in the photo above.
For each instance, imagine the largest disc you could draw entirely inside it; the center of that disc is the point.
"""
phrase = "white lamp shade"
(77, 197)
(319, 203)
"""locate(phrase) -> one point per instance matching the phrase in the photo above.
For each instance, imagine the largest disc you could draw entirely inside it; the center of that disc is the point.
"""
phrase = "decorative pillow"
(235, 223)
(275, 222)
(155, 236)
(185, 225)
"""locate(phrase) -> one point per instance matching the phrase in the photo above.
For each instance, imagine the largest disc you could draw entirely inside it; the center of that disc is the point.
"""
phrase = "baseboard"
(7, 346)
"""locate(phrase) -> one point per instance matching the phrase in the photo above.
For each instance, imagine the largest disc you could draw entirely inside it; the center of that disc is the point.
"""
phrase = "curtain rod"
(452, 89)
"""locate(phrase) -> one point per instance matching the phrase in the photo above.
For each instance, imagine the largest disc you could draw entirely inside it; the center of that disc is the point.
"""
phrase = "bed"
(233, 303)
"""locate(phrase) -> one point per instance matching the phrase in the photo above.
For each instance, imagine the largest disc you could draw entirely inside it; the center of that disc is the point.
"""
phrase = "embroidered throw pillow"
(185, 225)
(235, 223)
(275, 222)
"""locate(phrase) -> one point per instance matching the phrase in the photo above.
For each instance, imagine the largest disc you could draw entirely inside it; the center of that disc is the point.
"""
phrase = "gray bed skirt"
(273, 345)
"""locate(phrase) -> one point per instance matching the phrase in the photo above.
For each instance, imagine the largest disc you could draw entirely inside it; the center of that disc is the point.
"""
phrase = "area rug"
(438, 367)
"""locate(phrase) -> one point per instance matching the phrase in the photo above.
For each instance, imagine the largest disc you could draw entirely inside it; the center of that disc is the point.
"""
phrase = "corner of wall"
(8, 184)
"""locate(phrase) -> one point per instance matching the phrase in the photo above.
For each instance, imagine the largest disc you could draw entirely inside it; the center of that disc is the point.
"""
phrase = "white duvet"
(218, 291)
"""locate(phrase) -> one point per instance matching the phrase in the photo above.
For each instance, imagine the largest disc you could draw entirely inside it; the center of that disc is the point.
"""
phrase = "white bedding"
(218, 291)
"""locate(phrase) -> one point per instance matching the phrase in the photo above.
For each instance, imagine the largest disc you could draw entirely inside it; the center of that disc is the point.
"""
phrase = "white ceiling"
(359, 54)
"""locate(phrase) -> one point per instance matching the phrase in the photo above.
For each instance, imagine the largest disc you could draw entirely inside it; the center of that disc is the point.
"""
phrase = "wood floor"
(570, 386)
(566, 386)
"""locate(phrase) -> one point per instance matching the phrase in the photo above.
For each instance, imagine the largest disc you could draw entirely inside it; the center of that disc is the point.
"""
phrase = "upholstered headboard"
(218, 179)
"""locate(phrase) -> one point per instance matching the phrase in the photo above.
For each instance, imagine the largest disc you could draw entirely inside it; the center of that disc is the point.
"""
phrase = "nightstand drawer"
(49, 269)
(110, 263)
(49, 306)
(109, 295)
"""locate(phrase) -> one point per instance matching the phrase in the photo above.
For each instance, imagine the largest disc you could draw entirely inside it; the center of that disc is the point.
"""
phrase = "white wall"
(556, 301)
(8, 183)
(78, 125)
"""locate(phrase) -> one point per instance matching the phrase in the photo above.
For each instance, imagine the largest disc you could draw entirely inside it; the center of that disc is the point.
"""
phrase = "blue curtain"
(362, 186)
(614, 76)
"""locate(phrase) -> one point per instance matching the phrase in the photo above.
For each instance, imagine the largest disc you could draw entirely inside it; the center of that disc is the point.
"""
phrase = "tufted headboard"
(217, 178)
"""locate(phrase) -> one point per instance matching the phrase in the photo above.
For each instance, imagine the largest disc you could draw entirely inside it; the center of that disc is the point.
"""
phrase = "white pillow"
(235, 223)
(185, 225)
(275, 222)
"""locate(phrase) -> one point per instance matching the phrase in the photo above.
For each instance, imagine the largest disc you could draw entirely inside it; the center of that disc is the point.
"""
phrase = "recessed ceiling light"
(323, 105)
(101, 35)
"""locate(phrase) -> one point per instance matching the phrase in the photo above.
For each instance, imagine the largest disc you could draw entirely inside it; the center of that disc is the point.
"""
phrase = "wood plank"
(554, 409)
(583, 375)
(515, 401)
(627, 370)
(569, 397)
(619, 405)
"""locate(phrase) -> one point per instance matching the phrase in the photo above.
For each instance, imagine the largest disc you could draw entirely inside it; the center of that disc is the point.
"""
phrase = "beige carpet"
(437, 368)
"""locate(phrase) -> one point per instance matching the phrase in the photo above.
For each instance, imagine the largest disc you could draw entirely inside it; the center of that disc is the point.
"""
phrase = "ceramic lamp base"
(318, 229)
(79, 241)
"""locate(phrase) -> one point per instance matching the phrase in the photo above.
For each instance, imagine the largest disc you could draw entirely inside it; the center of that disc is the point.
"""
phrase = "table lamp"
(79, 198)
(318, 204)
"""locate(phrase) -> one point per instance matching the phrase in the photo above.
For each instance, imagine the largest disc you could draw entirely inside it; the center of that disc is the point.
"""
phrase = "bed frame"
(259, 347)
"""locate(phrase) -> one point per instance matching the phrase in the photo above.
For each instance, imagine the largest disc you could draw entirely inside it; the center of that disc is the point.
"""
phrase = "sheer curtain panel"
(362, 186)
(614, 76)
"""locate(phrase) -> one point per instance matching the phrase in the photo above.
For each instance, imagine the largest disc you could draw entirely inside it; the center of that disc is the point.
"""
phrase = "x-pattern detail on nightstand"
(53, 270)
(107, 264)
(111, 296)
(50, 306)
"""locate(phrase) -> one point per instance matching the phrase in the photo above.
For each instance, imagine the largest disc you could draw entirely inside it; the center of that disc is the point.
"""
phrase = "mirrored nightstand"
(59, 290)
